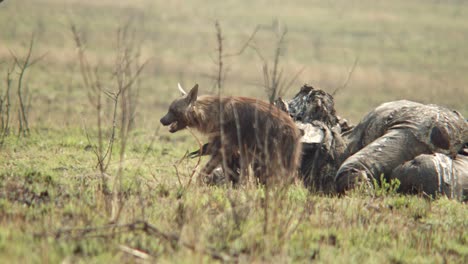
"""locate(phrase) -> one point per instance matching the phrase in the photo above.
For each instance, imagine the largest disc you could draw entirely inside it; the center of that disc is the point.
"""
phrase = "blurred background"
(365, 51)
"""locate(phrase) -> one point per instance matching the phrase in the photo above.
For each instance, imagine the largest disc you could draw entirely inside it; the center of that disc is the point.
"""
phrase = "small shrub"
(385, 188)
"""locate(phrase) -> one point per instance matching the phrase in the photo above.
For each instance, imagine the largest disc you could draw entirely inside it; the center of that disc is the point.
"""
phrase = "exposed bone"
(181, 89)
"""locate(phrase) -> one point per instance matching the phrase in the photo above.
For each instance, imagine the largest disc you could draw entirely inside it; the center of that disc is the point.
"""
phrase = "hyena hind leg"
(233, 170)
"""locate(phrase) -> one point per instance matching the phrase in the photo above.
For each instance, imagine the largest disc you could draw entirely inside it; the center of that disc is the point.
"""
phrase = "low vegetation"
(54, 208)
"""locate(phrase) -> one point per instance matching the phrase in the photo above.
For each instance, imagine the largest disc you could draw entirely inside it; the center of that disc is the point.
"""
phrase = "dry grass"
(49, 181)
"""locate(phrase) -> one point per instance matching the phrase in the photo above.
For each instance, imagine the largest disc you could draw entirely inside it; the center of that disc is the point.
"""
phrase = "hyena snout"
(173, 122)
(166, 120)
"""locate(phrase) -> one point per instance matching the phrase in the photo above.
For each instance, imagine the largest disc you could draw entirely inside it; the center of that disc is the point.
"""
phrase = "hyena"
(243, 133)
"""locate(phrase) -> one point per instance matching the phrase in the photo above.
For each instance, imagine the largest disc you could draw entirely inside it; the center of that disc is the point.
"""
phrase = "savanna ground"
(54, 208)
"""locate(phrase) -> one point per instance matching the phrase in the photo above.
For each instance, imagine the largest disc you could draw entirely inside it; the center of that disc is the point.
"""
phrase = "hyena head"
(176, 117)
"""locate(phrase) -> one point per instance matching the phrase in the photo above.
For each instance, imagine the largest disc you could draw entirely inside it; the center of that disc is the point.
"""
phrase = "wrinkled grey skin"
(397, 132)
(434, 174)
(397, 140)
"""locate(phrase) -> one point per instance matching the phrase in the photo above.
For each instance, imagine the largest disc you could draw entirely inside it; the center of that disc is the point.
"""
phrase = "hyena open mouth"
(173, 127)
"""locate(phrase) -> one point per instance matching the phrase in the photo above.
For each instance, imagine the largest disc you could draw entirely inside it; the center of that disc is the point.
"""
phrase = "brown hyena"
(243, 133)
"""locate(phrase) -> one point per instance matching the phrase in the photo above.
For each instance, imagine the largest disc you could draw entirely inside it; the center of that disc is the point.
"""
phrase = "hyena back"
(243, 132)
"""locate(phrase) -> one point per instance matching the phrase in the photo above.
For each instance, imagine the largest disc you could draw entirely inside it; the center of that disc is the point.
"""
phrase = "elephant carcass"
(387, 139)
(434, 174)
(323, 147)
(322, 153)
(397, 132)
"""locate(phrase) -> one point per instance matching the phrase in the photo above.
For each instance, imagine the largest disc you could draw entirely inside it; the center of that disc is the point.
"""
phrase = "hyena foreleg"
(226, 156)
(203, 151)
(212, 148)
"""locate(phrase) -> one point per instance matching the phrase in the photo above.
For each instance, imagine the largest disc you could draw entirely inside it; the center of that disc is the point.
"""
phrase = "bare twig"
(198, 161)
(348, 78)
(219, 38)
(273, 79)
(5, 107)
(135, 252)
(176, 167)
(143, 226)
(265, 205)
(246, 44)
(110, 145)
(23, 65)
(126, 73)
(177, 174)
(125, 60)
(149, 148)
(84, 65)
(92, 82)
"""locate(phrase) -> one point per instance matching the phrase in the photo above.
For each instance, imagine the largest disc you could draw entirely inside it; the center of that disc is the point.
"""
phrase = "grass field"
(52, 206)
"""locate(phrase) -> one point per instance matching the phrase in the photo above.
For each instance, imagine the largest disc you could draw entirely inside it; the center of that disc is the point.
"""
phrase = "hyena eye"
(174, 112)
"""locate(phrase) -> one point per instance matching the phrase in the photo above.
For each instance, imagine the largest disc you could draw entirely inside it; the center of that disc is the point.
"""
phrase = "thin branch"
(258, 52)
(348, 78)
(246, 44)
(200, 145)
(6, 121)
(275, 77)
(112, 137)
(219, 38)
(36, 60)
(149, 148)
(177, 174)
(94, 148)
(15, 58)
(136, 75)
(135, 252)
(143, 226)
(84, 65)
(92, 82)
(27, 62)
(294, 78)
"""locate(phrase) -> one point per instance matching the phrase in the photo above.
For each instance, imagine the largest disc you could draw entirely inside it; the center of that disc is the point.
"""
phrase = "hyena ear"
(192, 95)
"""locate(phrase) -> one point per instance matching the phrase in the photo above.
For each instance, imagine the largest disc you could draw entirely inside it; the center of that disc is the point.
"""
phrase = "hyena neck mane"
(203, 115)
